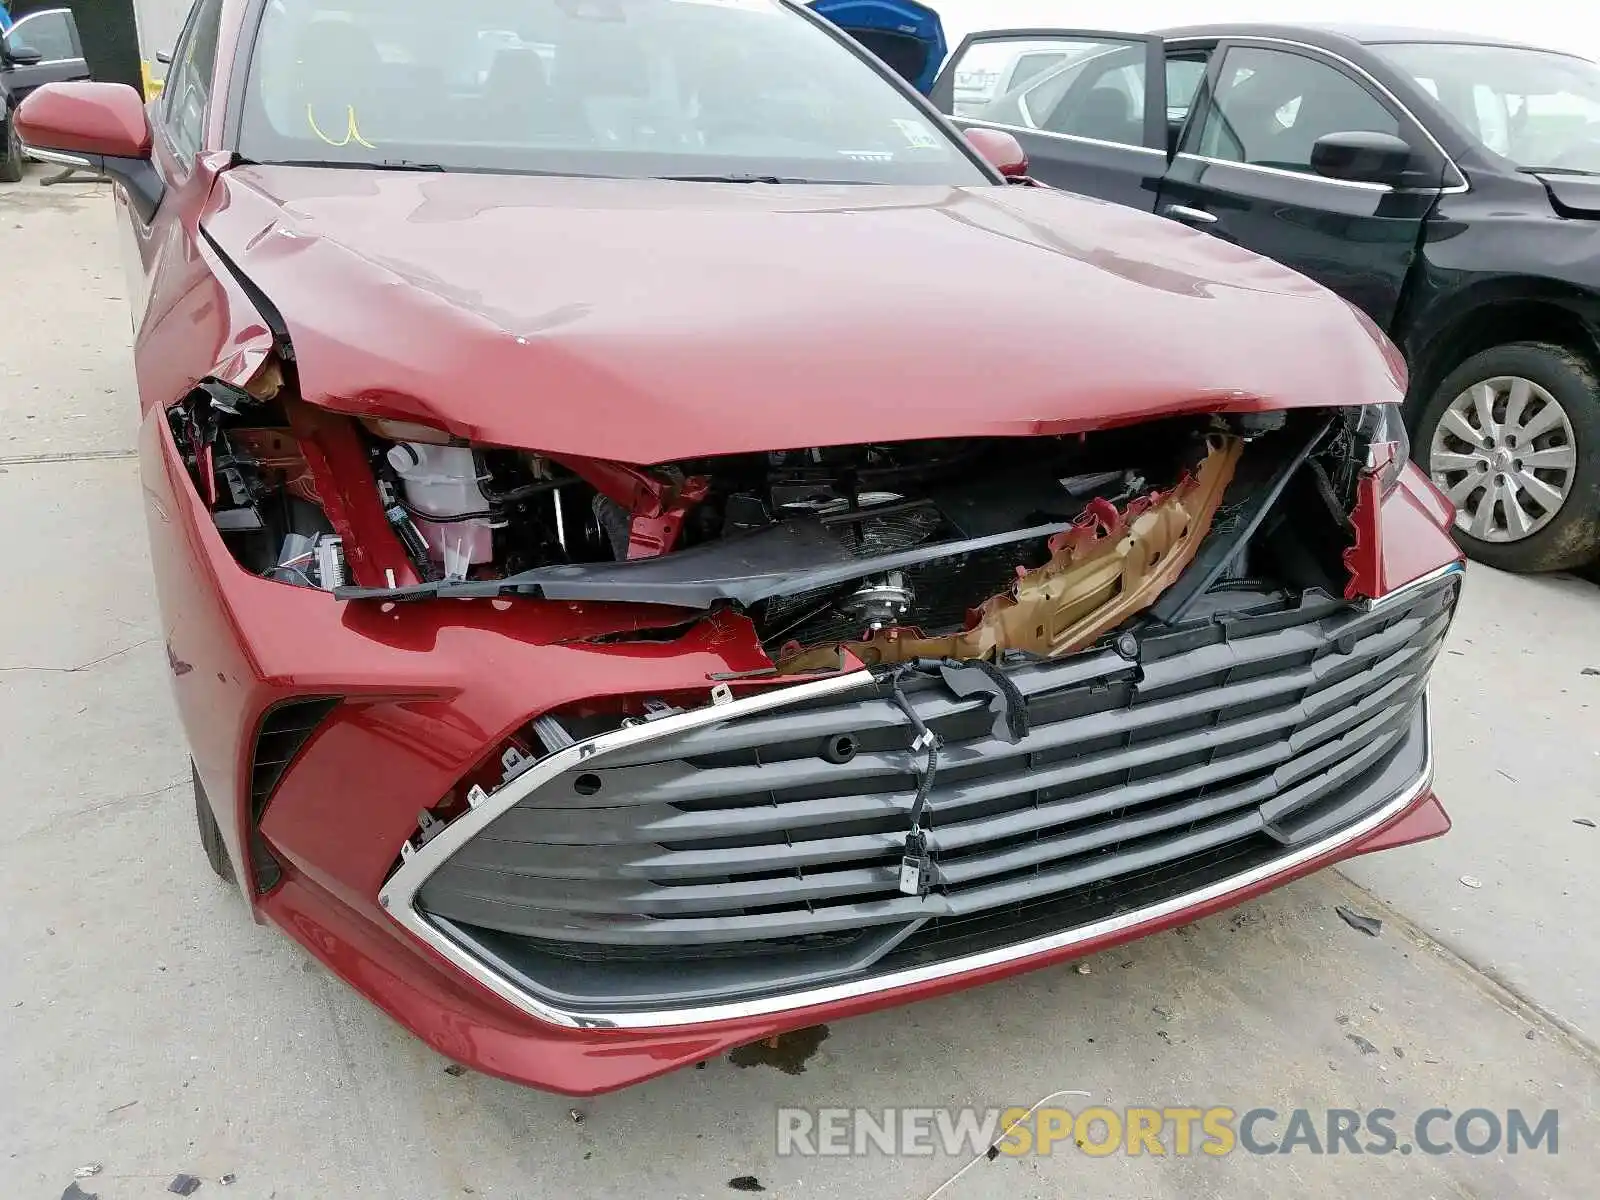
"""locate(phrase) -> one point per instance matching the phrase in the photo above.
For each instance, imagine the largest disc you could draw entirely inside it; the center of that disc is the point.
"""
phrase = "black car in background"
(1446, 184)
(41, 47)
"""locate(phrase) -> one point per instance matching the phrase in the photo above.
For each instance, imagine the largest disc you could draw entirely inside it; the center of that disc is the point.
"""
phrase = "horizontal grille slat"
(680, 782)
(1258, 729)
(660, 821)
(712, 902)
(624, 897)
(670, 864)
(1364, 747)
(677, 782)
(1389, 644)
(634, 928)
(1098, 837)
(650, 862)
(1110, 800)
(868, 714)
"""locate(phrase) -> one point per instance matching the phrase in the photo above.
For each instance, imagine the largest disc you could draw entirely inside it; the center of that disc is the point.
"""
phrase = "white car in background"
(979, 82)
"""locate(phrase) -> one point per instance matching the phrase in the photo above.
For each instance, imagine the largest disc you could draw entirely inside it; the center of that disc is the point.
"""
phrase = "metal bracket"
(65, 175)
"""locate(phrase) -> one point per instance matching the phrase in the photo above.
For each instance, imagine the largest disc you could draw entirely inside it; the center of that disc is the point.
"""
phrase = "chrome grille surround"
(659, 870)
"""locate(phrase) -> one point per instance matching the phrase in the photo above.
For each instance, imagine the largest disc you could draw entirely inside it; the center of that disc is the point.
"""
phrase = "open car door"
(1089, 107)
(908, 36)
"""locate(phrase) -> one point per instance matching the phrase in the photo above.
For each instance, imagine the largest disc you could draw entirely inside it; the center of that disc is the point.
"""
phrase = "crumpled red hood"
(646, 321)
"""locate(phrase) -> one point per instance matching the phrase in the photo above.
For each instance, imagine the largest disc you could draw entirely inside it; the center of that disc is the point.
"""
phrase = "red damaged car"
(661, 543)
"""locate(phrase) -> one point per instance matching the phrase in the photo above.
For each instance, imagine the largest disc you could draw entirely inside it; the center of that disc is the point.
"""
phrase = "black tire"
(10, 154)
(1572, 536)
(210, 833)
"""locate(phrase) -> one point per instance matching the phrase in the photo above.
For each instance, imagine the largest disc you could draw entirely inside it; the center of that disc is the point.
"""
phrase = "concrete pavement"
(146, 1025)
(1518, 726)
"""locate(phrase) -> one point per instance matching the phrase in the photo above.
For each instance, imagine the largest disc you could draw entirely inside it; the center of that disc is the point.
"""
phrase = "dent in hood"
(646, 321)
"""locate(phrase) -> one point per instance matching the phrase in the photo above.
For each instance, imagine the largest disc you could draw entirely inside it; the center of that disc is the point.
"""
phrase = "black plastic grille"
(747, 847)
(284, 730)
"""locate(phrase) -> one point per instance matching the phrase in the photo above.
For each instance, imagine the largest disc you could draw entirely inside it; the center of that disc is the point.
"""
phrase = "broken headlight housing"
(1383, 431)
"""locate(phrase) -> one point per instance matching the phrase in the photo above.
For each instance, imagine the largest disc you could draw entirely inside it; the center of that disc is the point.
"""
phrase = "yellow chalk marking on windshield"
(352, 131)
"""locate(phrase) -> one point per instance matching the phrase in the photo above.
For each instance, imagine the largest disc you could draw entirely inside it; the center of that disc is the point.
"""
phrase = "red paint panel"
(1000, 150)
(463, 1021)
(81, 117)
(251, 642)
(349, 496)
(197, 320)
(639, 321)
(220, 695)
(1399, 537)
(353, 796)
(1416, 537)
(1364, 558)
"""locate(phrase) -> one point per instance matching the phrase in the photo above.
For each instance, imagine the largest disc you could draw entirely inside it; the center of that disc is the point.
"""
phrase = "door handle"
(1192, 216)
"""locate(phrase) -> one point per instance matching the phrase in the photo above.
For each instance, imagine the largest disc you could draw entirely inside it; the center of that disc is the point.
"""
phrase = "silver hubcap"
(1504, 452)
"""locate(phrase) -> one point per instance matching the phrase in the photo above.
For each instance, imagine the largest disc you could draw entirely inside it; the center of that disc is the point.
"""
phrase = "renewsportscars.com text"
(1215, 1131)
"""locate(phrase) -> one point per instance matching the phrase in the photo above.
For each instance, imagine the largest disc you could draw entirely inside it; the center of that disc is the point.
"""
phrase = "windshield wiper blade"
(1557, 171)
(742, 177)
(379, 164)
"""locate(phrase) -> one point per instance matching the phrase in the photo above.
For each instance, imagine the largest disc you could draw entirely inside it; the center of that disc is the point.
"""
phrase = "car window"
(1030, 65)
(633, 88)
(1272, 106)
(53, 34)
(985, 70)
(1105, 102)
(1048, 105)
(1039, 99)
(1184, 77)
(1035, 90)
(186, 93)
(1536, 108)
(1493, 118)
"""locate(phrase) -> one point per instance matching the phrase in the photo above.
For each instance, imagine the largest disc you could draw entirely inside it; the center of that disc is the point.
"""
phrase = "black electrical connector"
(916, 863)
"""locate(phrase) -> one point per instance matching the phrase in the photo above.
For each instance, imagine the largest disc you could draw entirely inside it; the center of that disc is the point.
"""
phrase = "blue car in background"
(906, 35)
(910, 38)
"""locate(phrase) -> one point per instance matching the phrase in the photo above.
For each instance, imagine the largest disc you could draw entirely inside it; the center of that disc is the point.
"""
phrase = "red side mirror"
(95, 120)
(94, 127)
(1000, 150)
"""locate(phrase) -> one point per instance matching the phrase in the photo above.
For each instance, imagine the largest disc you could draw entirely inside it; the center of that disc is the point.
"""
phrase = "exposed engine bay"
(888, 553)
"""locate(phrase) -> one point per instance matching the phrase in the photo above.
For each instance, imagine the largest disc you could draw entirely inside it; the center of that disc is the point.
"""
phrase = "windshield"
(637, 88)
(1537, 108)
